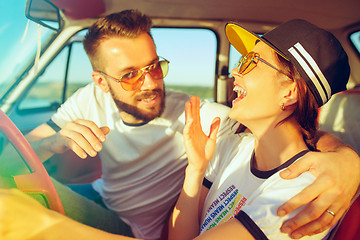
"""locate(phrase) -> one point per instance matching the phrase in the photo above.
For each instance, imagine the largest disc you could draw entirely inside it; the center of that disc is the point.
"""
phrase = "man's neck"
(130, 119)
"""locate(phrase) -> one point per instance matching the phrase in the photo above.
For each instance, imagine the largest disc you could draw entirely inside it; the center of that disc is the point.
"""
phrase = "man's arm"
(83, 137)
(337, 168)
(37, 137)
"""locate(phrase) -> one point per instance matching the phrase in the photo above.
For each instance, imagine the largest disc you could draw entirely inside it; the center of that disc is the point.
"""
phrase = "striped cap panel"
(312, 70)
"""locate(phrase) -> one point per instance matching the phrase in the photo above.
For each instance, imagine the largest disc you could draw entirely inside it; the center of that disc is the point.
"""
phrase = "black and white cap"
(316, 53)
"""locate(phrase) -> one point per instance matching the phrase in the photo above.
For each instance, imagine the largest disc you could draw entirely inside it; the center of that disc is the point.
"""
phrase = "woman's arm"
(184, 220)
(232, 229)
(337, 169)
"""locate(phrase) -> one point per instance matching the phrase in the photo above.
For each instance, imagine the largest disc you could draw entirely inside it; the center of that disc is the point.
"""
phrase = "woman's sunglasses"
(133, 80)
(249, 61)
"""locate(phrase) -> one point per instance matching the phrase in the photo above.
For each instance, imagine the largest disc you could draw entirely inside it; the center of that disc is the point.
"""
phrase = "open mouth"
(148, 98)
(241, 93)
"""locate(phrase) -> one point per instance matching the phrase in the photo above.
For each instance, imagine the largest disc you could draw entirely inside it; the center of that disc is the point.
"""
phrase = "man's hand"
(83, 137)
(338, 178)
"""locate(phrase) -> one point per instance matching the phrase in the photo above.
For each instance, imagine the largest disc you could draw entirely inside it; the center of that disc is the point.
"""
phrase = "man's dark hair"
(128, 23)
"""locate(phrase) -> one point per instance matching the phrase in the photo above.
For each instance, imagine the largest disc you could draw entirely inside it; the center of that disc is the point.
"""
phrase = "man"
(136, 126)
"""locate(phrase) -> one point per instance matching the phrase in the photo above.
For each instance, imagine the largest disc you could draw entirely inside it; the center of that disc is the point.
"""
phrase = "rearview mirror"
(44, 13)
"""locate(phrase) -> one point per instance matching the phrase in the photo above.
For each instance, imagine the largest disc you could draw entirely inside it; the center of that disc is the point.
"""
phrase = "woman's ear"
(99, 79)
(290, 95)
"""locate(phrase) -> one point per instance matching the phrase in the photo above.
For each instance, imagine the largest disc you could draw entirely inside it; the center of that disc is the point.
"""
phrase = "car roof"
(328, 14)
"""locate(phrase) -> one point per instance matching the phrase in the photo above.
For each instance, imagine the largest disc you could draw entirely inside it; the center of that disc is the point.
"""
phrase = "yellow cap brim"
(242, 40)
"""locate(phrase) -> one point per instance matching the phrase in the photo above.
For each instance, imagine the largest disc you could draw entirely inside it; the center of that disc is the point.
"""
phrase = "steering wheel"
(38, 180)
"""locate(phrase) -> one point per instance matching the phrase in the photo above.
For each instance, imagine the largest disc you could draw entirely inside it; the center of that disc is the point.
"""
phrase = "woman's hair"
(306, 108)
(128, 23)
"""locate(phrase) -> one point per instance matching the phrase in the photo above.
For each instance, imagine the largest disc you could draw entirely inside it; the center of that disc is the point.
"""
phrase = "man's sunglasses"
(133, 80)
(250, 61)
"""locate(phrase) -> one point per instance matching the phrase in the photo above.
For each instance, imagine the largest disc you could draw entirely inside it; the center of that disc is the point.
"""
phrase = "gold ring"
(331, 212)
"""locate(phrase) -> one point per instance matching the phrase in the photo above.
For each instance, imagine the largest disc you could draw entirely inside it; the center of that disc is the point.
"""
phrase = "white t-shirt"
(239, 190)
(143, 166)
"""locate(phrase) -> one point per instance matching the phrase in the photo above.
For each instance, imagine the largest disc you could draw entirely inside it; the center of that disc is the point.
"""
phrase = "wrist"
(42, 149)
(193, 181)
(195, 171)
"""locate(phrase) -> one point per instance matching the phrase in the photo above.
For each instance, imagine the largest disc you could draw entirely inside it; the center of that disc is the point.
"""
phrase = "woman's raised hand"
(200, 148)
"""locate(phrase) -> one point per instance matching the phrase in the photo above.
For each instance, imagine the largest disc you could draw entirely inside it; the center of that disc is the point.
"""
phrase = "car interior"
(190, 34)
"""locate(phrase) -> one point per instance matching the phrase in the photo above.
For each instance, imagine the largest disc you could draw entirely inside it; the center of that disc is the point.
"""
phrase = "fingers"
(105, 130)
(322, 186)
(314, 218)
(192, 106)
(302, 224)
(307, 195)
(332, 190)
(192, 111)
(84, 137)
(323, 222)
(93, 128)
(195, 102)
(187, 111)
(214, 128)
(298, 167)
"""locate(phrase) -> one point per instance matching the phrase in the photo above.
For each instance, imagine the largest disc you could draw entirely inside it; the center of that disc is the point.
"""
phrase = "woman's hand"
(199, 147)
(185, 218)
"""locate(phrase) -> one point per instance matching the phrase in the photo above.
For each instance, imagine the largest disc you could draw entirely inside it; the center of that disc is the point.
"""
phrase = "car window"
(80, 69)
(69, 71)
(355, 40)
(21, 39)
(192, 56)
(191, 52)
(234, 58)
(47, 91)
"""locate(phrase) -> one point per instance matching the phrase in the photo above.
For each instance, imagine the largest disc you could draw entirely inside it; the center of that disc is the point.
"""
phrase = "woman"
(281, 80)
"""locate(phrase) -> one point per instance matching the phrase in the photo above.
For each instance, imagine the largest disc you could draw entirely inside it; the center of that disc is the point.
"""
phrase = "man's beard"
(137, 113)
